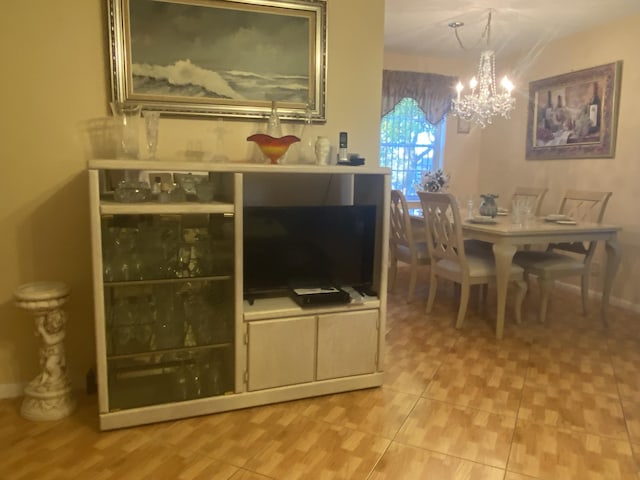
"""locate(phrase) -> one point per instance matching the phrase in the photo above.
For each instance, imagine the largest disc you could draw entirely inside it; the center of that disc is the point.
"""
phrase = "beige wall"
(55, 78)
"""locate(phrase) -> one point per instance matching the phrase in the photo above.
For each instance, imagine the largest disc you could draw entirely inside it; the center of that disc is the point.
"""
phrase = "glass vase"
(151, 124)
(127, 129)
(307, 140)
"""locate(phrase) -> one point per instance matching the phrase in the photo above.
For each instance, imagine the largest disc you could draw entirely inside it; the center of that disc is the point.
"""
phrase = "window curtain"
(431, 91)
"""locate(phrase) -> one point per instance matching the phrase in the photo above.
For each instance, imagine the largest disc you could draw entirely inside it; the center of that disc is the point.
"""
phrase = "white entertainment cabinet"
(174, 336)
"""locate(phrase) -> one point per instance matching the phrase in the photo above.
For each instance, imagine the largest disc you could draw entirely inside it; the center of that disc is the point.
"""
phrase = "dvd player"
(311, 297)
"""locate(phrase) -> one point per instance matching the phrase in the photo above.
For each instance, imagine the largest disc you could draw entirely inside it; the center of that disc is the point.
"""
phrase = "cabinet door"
(347, 344)
(168, 312)
(281, 352)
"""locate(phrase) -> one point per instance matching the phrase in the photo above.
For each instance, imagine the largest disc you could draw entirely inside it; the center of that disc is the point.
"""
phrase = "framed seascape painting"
(227, 58)
(574, 115)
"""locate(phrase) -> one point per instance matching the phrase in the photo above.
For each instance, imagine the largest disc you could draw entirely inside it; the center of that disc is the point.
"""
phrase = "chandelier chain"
(485, 33)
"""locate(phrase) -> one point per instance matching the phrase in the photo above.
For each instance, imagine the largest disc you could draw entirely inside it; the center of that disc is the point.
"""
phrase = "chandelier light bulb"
(507, 84)
(473, 83)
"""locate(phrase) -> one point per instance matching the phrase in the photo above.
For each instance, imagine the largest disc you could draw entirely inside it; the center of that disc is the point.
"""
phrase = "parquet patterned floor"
(556, 401)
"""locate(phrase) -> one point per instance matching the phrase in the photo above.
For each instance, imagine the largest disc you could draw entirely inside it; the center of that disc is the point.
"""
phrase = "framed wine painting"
(574, 115)
(228, 58)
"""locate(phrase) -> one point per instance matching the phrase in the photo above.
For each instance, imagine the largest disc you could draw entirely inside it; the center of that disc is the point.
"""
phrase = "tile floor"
(556, 401)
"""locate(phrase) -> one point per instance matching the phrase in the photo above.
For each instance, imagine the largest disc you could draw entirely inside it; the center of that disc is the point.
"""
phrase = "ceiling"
(420, 27)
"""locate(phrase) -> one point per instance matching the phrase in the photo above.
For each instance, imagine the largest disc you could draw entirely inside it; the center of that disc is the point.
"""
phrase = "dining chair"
(533, 194)
(451, 261)
(562, 260)
(405, 244)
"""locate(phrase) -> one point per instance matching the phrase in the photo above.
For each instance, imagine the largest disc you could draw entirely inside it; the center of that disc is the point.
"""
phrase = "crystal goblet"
(151, 123)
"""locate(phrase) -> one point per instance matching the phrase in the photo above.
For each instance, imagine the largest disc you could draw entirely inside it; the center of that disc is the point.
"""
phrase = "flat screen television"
(307, 246)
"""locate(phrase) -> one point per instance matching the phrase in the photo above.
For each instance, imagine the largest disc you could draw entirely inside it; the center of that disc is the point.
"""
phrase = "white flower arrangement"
(437, 181)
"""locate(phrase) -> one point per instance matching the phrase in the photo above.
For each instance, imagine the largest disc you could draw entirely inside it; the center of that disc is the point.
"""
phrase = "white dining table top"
(538, 231)
(503, 226)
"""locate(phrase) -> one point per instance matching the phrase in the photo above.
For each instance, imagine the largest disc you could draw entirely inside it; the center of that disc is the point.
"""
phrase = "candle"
(506, 84)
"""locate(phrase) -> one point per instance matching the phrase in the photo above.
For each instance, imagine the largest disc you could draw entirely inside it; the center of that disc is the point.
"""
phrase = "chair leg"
(393, 271)
(464, 300)
(456, 289)
(433, 287)
(522, 291)
(545, 293)
(412, 281)
(484, 293)
(585, 292)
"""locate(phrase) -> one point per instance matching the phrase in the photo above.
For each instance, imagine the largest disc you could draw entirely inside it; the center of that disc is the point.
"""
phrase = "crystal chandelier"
(484, 101)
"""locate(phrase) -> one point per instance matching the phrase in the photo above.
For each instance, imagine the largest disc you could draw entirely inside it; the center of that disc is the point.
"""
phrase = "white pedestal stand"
(48, 396)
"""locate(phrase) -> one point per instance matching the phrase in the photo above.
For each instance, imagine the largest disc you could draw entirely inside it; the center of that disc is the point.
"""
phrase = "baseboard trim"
(616, 302)
(11, 390)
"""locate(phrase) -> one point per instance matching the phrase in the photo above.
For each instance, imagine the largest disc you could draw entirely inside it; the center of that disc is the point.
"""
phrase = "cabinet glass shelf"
(163, 316)
(150, 356)
(159, 281)
(140, 247)
(152, 208)
(175, 376)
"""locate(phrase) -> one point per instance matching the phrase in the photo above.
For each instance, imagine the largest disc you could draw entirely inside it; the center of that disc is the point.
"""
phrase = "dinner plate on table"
(482, 219)
(555, 217)
(502, 214)
(566, 222)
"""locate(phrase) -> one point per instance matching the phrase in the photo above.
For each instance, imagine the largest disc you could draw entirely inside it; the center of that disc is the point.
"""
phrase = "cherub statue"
(52, 356)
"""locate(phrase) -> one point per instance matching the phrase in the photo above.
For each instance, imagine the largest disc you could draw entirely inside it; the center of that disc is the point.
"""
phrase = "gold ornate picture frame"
(227, 58)
(574, 115)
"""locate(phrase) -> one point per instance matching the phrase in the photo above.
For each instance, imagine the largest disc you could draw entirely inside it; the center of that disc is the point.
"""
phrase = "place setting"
(484, 219)
(560, 219)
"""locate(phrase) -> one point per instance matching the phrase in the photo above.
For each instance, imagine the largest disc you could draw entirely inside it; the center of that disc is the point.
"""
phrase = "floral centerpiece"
(437, 181)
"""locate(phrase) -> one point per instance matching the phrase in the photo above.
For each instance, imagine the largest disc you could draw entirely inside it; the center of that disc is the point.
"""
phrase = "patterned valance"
(431, 91)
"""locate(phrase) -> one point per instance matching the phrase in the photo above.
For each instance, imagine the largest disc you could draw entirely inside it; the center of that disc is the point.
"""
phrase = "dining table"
(506, 237)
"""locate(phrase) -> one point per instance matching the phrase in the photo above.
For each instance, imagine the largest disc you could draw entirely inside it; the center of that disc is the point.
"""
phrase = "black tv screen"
(308, 246)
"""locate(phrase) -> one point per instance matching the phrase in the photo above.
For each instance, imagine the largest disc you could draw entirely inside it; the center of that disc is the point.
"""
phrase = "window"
(410, 146)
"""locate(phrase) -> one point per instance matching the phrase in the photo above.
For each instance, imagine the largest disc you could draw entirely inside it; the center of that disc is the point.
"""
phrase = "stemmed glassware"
(151, 121)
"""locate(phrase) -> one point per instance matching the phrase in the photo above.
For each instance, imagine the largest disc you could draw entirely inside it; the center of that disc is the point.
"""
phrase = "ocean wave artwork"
(184, 78)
